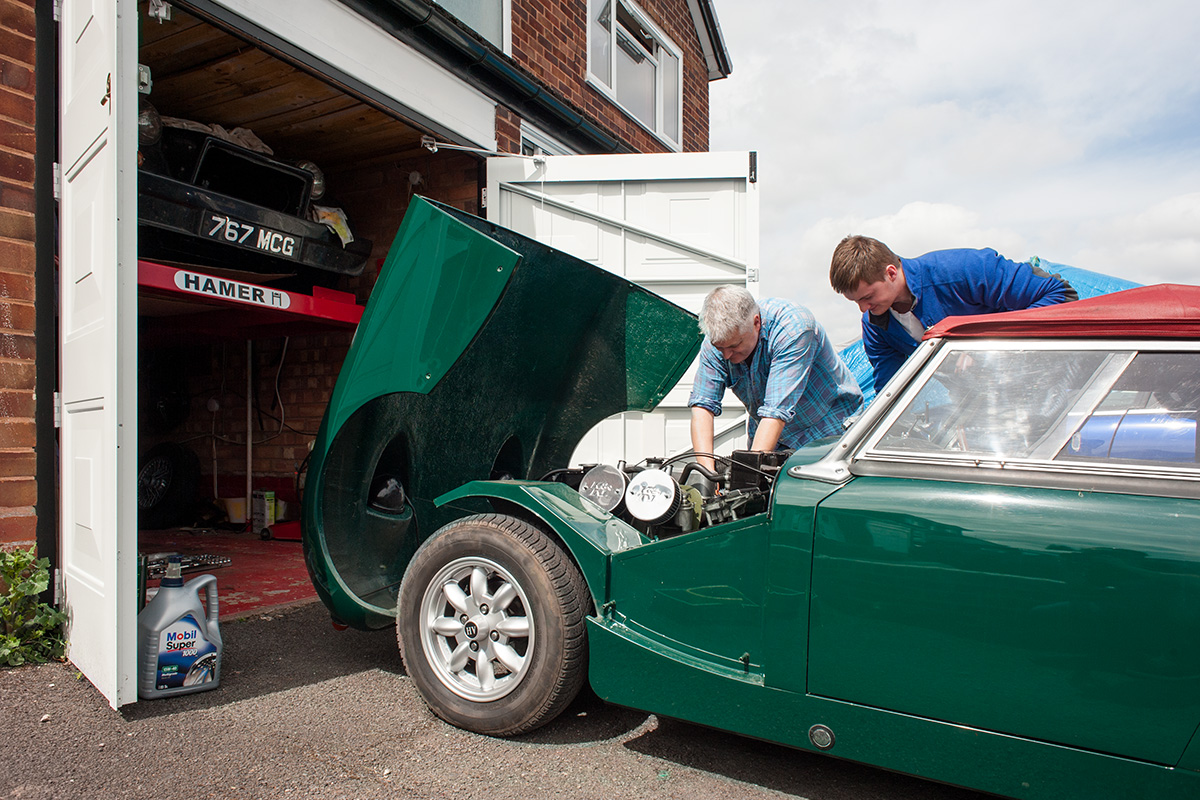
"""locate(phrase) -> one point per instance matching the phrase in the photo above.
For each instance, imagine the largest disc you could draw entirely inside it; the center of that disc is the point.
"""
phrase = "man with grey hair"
(778, 361)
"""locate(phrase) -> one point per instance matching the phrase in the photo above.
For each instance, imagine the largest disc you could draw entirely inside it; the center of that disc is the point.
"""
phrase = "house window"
(535, 142)
(488, 18)
(638, 67)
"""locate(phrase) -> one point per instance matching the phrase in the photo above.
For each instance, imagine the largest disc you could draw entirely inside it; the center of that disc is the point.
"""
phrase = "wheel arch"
(589, 535)
(528, 515)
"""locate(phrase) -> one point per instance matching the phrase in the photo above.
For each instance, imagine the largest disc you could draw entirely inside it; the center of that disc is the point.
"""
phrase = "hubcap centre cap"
(478, 628)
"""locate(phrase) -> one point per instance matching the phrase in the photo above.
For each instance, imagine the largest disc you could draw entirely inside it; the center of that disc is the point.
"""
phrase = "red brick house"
(363, 88)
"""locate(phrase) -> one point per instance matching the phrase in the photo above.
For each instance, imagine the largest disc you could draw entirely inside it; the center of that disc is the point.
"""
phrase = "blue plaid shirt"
(793, 375)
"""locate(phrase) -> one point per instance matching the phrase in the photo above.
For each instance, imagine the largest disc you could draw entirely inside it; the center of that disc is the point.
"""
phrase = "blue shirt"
(793, 375)
(947, 283)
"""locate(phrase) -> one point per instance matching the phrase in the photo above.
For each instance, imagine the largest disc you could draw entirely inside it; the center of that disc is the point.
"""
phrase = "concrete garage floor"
(304, 711)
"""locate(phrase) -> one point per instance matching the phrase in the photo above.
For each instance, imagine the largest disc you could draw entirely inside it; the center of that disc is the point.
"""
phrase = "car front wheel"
(490, 621)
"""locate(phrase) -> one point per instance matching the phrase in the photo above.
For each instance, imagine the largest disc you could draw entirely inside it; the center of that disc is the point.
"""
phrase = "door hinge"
(57, 181)
(58, 588)
(145, 79)
(57, 10)
(483, 197)
(159, 10)
(751, 274)
(57, 410)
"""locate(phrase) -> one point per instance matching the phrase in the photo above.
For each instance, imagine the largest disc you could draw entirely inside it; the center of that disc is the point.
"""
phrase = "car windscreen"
(1051, 404)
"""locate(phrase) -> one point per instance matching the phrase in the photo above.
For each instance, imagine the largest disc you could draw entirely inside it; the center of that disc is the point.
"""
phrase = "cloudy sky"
(1055, 128)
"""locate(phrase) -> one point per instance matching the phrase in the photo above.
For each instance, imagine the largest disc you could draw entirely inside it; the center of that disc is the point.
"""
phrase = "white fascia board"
(340, 37)
(639, 166)
(712, 43)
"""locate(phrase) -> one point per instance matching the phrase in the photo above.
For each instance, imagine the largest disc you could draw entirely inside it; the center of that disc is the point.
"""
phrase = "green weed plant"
(30, 631)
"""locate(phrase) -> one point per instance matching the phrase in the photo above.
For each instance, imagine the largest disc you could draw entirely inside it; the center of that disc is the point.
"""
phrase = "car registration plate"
(251, 236)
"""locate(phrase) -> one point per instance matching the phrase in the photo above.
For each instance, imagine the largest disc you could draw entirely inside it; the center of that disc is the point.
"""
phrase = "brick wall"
(374, 196)
(550, 40)
(18, 488)
(508, 130)
(282, 425)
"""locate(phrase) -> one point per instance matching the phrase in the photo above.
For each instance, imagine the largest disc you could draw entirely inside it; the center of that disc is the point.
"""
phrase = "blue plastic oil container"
(179, 642)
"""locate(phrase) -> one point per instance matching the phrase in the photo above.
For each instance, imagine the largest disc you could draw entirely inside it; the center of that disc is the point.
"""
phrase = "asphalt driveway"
(304, 711)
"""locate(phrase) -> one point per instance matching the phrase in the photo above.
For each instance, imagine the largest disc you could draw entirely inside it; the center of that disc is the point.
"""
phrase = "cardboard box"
(263, 509)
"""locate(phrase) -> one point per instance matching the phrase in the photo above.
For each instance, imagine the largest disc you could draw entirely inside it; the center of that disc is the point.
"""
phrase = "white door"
(98, 339)
(678, 224)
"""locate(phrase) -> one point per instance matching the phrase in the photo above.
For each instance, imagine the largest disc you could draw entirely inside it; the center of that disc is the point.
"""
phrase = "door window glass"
(1148, 417)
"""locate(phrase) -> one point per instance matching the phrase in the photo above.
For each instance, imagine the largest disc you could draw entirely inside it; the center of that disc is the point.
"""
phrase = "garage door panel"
(678, 224)
(98, 326)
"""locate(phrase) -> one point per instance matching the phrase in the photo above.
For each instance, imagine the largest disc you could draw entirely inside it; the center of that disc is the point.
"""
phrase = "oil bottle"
(179, 642)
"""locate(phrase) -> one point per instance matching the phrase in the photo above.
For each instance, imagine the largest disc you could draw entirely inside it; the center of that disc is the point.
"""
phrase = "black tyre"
(163, 393)
(166, 487)
(491, 625)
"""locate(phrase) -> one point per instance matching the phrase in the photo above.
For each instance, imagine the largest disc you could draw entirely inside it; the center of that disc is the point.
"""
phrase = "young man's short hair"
(727, 312)
(859, 259)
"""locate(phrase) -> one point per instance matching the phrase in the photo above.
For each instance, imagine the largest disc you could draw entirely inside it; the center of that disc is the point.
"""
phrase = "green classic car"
(991, 580)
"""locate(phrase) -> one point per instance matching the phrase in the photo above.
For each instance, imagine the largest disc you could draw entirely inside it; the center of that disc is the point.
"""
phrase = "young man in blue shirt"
(778, 361)
(901, 297)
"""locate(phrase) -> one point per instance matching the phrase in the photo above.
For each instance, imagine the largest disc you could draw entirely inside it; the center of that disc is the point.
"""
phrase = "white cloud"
(1158, 245)
(1037, 127)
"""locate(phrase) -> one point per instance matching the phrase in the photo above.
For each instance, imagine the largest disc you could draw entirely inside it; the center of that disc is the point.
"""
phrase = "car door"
(986, 568)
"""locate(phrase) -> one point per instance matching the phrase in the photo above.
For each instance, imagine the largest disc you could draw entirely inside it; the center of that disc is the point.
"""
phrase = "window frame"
(505, 43)
(612, 92)
(867, 459)
(542, 143)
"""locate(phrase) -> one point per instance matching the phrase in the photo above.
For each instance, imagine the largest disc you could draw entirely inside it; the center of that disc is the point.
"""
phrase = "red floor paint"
(261, 573)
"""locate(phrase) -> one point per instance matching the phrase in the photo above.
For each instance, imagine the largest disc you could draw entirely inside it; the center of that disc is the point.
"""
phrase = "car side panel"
(703, 592)
(631, 671)
(1068, 617)
(789, 574)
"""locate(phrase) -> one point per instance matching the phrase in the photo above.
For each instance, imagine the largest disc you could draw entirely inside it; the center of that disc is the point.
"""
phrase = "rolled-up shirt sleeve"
(791, 358)
(709, 385)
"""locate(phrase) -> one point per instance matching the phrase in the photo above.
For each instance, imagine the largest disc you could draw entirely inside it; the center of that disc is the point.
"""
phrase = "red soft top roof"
(1165, 311)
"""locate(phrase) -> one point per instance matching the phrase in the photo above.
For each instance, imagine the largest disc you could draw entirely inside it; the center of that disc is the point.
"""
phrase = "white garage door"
(98, 334)
(678, 224)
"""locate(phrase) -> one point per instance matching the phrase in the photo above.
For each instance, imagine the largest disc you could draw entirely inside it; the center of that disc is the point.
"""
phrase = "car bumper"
(173, 217)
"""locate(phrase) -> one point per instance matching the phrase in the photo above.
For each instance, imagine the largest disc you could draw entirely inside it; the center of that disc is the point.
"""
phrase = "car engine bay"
(663, 497)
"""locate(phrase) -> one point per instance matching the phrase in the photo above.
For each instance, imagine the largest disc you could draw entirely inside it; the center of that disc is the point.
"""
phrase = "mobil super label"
(179, 639)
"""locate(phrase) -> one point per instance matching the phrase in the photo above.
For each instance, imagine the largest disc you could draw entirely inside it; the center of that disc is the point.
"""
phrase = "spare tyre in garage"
(166, 487)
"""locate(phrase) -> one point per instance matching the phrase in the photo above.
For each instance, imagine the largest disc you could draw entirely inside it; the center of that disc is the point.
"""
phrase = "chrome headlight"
(318, 185)
(149, 123)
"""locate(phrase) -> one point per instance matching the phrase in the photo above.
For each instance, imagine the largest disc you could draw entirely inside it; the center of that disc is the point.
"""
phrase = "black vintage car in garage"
(206, 199)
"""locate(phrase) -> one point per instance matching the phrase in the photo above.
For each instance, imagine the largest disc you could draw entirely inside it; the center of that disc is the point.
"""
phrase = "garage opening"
(268, 197)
